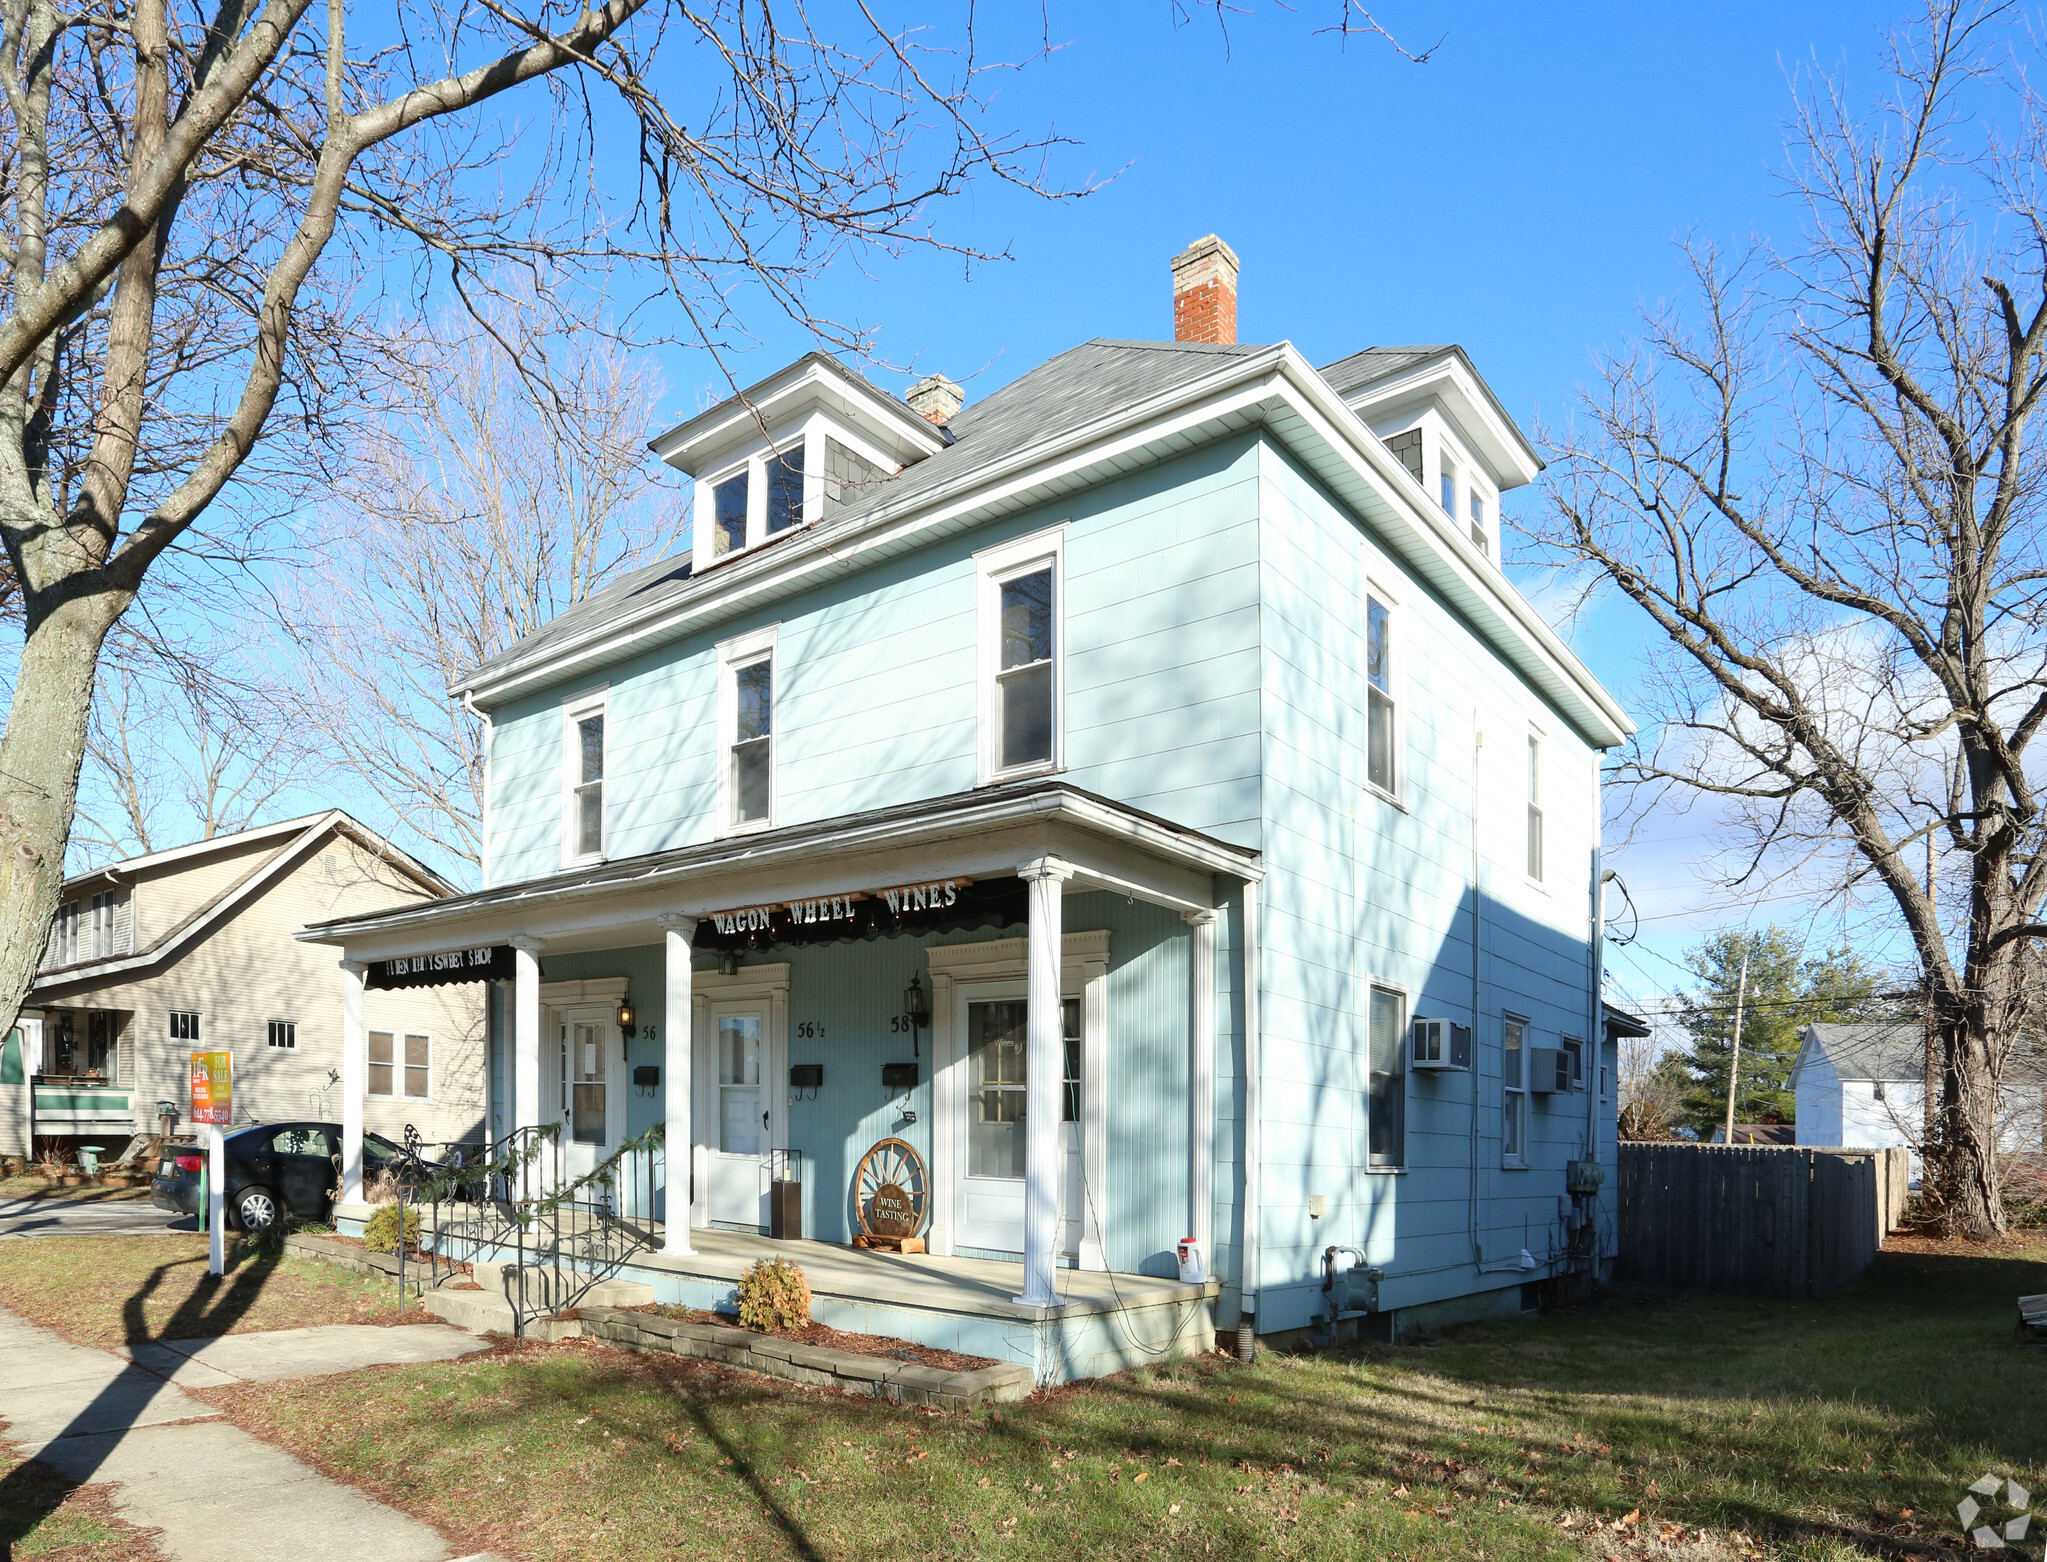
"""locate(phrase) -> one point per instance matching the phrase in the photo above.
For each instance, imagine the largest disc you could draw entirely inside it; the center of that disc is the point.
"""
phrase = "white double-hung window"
(746, 721)
(1535, 807)
(1514, 1090)
(583, 778)
(1022, 612)
(1382, 711)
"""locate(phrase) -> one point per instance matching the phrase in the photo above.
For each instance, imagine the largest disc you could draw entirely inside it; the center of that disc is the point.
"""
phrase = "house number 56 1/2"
(810, 1029)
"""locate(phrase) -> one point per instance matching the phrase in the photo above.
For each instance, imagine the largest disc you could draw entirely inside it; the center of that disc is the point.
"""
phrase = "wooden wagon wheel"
(891, 1193)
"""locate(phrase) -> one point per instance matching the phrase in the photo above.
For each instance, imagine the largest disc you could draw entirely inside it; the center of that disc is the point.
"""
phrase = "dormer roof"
(1382, 382)
(816, 380)
(1092, 413)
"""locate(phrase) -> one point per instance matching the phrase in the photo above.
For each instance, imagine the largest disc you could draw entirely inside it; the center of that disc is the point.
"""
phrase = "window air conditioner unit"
(1437, 1044)
(1549, 1070)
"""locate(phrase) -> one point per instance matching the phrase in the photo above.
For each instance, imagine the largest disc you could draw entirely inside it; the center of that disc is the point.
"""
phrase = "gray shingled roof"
(1376, 363)
(1055, 398)
(1873, 1050)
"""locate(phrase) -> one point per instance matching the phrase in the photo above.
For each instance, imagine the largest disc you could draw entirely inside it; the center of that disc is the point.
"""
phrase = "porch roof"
(986, 832)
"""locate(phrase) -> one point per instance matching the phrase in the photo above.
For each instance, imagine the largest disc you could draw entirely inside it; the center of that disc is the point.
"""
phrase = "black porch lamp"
(916, 1009)
(627, 1020)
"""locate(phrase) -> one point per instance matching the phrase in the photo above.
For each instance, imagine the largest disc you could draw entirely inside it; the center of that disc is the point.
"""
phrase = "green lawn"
(1684, 1427)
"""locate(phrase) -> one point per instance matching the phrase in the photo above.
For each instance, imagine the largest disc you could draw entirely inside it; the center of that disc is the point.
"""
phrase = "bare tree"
(1822, 483)
(495, 494)
(199, 203)
(177, 751)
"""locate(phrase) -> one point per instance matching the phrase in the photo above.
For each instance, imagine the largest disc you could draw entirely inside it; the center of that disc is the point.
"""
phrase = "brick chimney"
(935, 399)
(1205, 292)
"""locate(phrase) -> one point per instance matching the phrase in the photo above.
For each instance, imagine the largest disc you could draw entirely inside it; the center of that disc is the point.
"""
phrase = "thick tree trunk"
(1971, 1032)
(39, 761)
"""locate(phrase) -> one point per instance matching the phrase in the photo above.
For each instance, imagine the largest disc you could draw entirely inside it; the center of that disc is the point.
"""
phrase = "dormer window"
(784, 474)
(728, 504)
(1481, 539)
(1446, 488)
(791, 451)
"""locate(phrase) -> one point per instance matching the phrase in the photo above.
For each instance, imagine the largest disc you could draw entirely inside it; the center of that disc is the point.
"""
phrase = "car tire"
(257, 1209)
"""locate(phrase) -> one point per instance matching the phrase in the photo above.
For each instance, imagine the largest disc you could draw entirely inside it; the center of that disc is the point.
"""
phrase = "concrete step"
(548, 1287)
(480, 1312)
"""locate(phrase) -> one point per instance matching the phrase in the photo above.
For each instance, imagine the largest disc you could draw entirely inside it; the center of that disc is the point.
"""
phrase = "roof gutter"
(1438, 550)
(757, 852)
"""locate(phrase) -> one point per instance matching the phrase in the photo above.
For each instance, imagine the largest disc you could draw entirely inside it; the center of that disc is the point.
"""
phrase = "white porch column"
(1044, 1080)
(678, 1150)
(526, 1032)
(354, 1080)
(1201, 1086)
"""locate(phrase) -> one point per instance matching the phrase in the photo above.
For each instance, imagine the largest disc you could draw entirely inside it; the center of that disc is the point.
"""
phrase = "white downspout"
(1247, 1264)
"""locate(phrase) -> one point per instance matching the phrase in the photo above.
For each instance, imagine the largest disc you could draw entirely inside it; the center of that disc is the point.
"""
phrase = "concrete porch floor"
(1104, 1323)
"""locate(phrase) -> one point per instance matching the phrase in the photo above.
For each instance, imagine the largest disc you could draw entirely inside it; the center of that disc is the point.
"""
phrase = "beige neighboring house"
(191, 949)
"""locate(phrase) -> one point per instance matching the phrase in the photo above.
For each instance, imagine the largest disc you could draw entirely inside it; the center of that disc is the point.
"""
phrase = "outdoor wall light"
(916, 1009)
(728, 963)
(627, 1020)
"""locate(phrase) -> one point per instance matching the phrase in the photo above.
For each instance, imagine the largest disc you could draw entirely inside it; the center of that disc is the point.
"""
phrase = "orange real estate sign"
(213, 1075)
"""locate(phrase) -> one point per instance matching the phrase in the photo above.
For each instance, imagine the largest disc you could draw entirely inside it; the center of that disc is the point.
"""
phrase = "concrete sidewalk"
(211, 1489)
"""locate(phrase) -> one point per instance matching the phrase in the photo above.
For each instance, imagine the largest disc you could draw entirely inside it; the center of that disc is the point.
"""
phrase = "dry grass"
(42, 1188)
(1686, 1429)
(43, 1518)
(116, 1290)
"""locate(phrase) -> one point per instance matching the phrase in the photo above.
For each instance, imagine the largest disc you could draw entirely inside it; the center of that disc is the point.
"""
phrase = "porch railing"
(513, 1203)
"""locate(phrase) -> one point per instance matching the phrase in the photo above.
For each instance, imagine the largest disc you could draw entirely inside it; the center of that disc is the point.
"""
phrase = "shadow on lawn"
(1892, 1394)
(216, 1303)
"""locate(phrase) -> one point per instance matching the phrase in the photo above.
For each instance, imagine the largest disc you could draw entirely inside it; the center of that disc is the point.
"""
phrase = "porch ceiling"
(972, 835)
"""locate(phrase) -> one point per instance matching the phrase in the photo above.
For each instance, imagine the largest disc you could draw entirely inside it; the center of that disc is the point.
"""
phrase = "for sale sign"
(213, 1086)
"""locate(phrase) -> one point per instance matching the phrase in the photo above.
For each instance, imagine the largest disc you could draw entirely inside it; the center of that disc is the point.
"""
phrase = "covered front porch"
(1012, 997)
(1099, 1322)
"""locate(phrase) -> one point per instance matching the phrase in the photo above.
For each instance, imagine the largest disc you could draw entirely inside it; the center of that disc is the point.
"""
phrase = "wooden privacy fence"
(1764, 1220)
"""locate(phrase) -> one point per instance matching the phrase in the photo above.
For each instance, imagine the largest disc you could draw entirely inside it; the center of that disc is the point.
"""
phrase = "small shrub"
(773, 1295)
(379, 1188)
(380, 1232)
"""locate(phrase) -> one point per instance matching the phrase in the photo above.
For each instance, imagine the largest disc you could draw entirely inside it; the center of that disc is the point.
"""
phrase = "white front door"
(588, 1058)
(741, 1116)
(994, 1025)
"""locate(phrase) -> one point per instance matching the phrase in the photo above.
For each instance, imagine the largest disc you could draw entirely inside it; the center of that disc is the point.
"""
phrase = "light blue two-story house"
(1140, 793)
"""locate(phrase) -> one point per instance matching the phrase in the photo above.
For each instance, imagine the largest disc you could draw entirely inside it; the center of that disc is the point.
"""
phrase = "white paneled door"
(994, 1025)
(588, 1095)
(741, 1116)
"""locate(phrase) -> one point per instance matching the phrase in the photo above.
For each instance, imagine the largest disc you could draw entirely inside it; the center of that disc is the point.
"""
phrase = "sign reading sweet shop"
(483, 963)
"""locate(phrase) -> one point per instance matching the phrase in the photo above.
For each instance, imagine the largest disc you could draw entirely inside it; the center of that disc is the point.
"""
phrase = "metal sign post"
(213, 1104)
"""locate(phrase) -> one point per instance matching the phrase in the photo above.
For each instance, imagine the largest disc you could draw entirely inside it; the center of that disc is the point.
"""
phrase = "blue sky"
(1518, 194)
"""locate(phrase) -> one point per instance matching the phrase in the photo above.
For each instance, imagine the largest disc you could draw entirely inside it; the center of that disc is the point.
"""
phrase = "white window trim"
(743, 651)
(198, 1041)
(1540, 738)
(575, 708)
(397, 1033)
(399, 1065)
(1406, 996)
(1397, 621)
(294, 1026)
(1519, 1161)
(994, 566)
(807, 433)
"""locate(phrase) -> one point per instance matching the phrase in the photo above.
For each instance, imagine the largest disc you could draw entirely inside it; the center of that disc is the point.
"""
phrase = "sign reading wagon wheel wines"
(891, 1193)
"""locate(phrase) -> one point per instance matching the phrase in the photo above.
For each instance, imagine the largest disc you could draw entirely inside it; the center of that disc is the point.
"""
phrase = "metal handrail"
(515, 1195)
